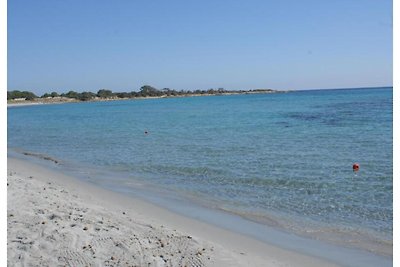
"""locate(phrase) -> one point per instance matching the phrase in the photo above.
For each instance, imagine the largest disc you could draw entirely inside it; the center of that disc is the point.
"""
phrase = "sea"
(279, 160)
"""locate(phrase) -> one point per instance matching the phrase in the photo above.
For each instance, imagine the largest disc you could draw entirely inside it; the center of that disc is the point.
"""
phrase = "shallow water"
(280, 159)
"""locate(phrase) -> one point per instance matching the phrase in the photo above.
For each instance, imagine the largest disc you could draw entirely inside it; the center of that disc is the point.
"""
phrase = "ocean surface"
(282, 159)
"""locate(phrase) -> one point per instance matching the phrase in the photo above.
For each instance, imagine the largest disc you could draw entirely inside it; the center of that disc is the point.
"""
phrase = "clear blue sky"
(56, 45)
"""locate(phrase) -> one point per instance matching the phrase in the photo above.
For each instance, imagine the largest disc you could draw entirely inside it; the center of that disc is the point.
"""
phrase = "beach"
(54, 219)
(248, 188)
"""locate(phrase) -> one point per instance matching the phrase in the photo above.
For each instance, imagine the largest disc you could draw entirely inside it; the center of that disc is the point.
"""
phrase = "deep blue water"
(282, 159)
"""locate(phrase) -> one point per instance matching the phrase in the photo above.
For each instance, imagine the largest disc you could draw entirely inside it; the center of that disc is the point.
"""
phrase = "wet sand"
(54, 219)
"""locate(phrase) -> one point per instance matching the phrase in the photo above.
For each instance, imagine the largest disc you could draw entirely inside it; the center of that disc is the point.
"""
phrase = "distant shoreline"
(63, 100)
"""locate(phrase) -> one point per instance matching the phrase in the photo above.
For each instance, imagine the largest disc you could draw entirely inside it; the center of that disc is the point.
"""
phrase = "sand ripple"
(48, 226)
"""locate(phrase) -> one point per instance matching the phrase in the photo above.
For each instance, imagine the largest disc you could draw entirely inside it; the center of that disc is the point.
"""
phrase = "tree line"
(145, 91)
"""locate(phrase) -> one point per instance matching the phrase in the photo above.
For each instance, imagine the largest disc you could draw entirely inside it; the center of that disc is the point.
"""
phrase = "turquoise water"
(281, 159)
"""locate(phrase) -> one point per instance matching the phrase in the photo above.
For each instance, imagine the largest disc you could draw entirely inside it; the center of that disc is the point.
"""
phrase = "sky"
(56, 45)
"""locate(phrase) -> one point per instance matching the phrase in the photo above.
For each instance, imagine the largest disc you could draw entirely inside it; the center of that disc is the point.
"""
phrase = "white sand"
(57, 220)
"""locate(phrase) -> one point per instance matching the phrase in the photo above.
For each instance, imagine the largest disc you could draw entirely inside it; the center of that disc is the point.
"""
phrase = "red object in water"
(356, 167)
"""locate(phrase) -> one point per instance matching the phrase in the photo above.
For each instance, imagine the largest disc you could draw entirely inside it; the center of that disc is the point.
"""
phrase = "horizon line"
(307, 89)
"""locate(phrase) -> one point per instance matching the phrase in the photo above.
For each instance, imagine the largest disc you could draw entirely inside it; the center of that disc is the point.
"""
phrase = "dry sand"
(57, 220)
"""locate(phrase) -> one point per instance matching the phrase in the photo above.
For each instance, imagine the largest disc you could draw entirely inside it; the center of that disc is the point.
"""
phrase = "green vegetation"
(144, 91)
(54, 94)
(20, 95)
(103, 93)
(47, 95)
(86, 96)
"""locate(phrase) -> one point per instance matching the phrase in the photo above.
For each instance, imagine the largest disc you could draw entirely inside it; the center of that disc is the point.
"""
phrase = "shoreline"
(40, 101)
(45, 205)
(63, 100)
(230, 248)
(217, 214)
